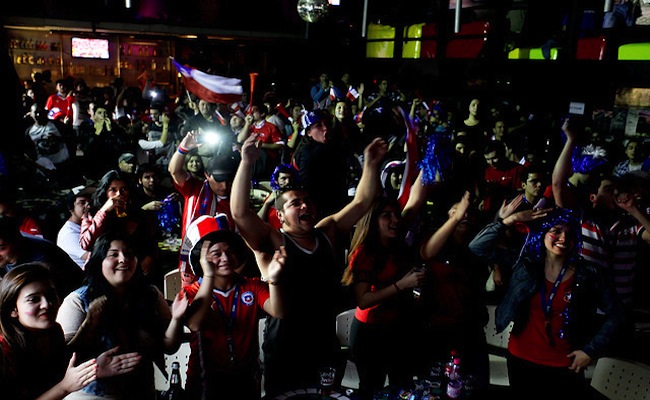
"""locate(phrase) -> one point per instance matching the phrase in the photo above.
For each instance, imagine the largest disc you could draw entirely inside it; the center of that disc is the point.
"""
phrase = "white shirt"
(68, 240)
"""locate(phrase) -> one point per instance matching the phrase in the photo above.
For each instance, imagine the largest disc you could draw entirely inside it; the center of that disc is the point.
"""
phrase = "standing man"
(59, 104)
(216, 138)
(502, 177)
(202, 197)
(269, 137)
(305, 340)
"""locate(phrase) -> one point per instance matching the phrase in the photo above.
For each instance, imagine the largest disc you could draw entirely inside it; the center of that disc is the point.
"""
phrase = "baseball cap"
(215, 229)
(126, 157)
(222, 168)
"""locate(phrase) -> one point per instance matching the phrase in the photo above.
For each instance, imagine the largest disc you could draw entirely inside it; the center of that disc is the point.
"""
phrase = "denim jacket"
(592, 291)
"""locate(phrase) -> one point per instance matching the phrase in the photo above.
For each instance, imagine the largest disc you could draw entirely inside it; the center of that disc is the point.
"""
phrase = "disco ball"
(312, 10)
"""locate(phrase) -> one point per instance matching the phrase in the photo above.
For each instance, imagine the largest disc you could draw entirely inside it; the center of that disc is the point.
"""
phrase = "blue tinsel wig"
(588, 159)
(437, 158)
(286, 169)
(534, 246)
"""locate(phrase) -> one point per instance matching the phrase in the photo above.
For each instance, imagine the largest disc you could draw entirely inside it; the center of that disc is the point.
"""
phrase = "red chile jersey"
(251, 294)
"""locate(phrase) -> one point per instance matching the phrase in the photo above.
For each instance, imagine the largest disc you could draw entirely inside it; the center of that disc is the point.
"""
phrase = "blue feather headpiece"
(534, 246)
(588, 159)
(437, 158)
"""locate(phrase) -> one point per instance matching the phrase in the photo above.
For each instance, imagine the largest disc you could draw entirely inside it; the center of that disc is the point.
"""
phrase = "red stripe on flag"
(410, 167)
(207, 95)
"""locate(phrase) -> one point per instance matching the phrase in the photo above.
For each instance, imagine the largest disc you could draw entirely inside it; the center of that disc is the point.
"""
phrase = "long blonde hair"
(366, 234)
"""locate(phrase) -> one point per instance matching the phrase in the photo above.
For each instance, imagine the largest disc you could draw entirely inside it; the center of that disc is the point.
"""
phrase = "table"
(308, 394)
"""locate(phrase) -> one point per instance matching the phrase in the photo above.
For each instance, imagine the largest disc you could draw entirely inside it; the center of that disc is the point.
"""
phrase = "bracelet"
(270, 282)
(183, 150)
(396, 287)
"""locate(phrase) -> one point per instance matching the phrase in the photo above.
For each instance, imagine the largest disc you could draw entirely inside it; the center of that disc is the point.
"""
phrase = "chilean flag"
(211, 88)
(410, 167)
(352, 94)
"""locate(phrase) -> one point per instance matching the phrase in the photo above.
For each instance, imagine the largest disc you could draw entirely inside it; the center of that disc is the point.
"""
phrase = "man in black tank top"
(296, 346)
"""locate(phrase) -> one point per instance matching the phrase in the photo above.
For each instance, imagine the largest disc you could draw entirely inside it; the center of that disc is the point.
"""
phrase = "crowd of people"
(412, 212)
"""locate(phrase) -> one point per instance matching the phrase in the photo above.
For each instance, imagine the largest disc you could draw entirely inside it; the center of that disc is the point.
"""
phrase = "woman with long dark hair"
(564, 309)
(117, 307)
(381, 274)
(34, 360)
(113, 210)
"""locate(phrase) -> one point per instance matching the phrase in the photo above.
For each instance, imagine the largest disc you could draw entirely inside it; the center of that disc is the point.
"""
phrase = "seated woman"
(35, 363)
(113, 209)
(117, 307)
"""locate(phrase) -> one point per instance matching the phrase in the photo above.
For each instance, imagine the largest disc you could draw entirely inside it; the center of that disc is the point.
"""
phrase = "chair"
(343, 324)
(619, 379)
(172, 284)
(497, 345)
(182, 355)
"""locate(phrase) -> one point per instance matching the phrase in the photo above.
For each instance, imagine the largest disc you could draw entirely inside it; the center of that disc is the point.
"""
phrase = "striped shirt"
(614, 248)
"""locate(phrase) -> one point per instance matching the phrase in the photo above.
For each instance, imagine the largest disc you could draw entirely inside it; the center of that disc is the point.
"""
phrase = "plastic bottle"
(455, 384)
(175, 391)
(449, 364)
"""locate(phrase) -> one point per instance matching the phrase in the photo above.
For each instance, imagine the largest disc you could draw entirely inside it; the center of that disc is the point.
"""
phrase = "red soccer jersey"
(59, 107)
(251, 293)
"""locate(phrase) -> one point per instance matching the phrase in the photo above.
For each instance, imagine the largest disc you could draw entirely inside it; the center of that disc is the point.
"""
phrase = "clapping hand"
(110, 364)
(507, 209)
(78, 377)
(180, 304)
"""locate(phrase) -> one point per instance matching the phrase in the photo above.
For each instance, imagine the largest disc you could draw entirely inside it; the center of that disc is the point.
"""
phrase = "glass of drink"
(327, 377)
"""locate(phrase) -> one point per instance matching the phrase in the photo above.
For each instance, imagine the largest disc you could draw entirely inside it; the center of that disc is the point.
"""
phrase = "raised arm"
(255, 231)
(176, 166)
(563, 167)
(274, 305)
(432, 246)
(243, 134)
(366, 192)
(417, 197)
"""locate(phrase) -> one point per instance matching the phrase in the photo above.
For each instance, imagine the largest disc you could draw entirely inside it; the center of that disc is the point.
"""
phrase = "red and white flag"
(332, 94)
(410, 167)
(220, 117)
(352, 94)
(212, 88)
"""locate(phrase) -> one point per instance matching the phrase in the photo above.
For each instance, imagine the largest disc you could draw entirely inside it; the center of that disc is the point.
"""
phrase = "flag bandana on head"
(211, 88)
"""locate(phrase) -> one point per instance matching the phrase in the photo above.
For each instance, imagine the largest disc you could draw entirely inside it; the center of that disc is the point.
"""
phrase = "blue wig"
(588, 159)
(534, 246)
(437, 158)
(286, 169)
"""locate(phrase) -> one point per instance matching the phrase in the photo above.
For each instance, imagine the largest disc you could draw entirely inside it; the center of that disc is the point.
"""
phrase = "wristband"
(183, 150)
(396, 287)
(270, 282)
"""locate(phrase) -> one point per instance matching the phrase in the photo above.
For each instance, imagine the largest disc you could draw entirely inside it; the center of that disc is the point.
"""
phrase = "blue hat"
(312, 117)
